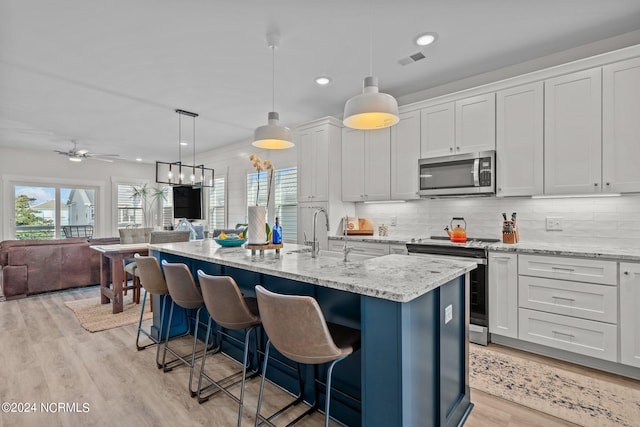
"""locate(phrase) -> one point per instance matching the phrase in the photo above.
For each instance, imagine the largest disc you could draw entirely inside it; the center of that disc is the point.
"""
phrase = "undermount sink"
(332, 254)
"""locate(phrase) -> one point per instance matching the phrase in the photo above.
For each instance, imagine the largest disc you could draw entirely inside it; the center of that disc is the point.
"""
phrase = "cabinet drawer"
(584, 300)
(366, 248)
(336, 245)
(586, 337)
(398, 249)
(582, 270)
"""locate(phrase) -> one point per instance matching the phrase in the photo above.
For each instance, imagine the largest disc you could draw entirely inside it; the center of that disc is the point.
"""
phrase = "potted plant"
(148, 197)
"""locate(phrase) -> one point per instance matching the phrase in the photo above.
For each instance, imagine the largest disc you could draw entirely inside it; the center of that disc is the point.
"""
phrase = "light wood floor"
(45, 356)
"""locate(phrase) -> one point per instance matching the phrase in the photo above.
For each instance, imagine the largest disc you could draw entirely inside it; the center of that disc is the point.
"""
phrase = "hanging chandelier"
(273, 136)
(174, 173)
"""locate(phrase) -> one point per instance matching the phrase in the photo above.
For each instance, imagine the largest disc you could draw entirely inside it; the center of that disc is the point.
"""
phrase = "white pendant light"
(273, 136)
(371, 109)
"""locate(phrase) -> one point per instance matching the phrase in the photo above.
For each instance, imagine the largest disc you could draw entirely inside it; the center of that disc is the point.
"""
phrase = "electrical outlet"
(554, 223)
(394, 221)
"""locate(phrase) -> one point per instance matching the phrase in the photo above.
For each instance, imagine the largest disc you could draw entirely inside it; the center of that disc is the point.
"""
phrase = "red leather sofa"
(34, 266)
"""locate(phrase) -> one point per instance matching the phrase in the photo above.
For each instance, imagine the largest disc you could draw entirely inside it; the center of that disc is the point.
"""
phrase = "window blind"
(216, 215)
(129, 209)
(286, 201)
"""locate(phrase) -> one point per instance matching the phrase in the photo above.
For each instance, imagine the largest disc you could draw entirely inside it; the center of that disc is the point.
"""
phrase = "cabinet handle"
(626, 273)
(563, 269)
(357, 249)
(450, 148)
(608, 184)
(595, 184)
(457, 148)
(564, 298)
(563, 333)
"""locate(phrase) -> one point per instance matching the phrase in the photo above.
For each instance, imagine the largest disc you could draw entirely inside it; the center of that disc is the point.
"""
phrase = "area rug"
(95, 317)
(582, 400)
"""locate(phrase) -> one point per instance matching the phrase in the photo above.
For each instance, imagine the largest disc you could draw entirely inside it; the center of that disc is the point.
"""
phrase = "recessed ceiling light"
(323, 80)
(138, 159)
(426, 39)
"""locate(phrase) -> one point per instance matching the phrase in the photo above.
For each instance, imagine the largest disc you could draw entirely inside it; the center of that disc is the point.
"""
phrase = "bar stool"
(297, 328)
(151, 278)
(229, 309)
(185, 294)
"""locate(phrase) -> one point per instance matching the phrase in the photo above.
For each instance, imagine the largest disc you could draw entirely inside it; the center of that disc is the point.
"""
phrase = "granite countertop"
(588, 250)
(397, 278)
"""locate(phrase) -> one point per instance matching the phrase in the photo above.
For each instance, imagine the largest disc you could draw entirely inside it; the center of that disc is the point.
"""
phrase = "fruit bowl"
(228, 242)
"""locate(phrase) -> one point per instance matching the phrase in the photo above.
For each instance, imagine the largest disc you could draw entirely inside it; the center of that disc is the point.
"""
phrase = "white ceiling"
(110, 74)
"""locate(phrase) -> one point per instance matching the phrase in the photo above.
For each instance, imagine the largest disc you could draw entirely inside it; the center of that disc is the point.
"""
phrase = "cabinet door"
(405, 152)
(377, 167)
(305, 223)
(437, 130)
(621, 126)
(313, 164)
(476, 124)
(503, 294)
(572, 148)
(629, 314)
(519, 140)
(352, 165)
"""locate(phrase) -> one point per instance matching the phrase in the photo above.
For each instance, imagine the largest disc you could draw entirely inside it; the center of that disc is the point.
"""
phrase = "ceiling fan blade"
(81, 152)
(101, 159)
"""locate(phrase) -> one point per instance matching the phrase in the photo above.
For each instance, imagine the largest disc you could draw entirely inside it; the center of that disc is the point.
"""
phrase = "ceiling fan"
(76, 155)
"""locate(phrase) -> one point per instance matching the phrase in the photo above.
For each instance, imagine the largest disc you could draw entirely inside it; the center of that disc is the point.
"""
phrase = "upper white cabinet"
(366, 168)
(463, 126)
(405, 151)
(572, 155)
(438, 132)
(629, 314)
(476, 123)
(503, 294)
(621, 126)
(314, 143)
(519, 140)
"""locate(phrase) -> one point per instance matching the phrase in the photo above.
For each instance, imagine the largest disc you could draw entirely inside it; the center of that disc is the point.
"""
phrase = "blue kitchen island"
(412, 368)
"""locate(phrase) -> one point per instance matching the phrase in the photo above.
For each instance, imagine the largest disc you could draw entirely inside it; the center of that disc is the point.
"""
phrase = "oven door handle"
(480, 261)
(476, 172)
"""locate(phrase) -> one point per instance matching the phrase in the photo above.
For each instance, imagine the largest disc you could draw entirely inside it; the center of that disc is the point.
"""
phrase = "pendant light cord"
(273, 78)
(371, 38)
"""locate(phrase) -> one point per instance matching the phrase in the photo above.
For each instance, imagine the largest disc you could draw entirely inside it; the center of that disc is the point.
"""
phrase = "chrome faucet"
(315, 245)
(346, 249)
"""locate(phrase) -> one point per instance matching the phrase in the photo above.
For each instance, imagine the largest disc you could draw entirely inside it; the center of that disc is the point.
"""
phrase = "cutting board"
(365, 228)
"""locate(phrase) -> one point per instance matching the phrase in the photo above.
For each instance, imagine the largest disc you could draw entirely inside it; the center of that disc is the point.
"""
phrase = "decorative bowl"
(228, 243)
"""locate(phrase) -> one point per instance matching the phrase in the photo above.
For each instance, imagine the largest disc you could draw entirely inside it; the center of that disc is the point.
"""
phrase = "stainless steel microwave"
(458, 174)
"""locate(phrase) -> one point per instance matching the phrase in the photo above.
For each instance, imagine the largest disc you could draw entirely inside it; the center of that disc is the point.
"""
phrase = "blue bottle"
(276, 233)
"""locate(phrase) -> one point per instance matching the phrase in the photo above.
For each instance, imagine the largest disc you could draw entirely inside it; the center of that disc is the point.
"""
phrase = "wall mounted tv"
(187, 202)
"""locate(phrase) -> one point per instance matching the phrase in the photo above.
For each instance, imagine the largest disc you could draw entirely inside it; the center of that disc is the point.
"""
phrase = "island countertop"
(399, 278)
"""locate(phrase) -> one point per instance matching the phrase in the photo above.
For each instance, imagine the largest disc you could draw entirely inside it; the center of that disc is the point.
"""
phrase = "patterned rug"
(95, 317)
(564, 394)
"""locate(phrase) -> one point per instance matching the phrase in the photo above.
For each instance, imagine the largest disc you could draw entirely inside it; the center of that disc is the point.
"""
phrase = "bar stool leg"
(193, 352)
(264, 375)
(328, 393)
(244, 371)
(166, 340)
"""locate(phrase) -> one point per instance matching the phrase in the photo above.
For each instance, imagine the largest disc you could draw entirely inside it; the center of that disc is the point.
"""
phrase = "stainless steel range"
(475, 248)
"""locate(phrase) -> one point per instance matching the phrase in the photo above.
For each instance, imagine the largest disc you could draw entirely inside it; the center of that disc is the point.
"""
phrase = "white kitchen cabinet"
(314, 143)
(567, 268)
(621, 126)
(359, 247)
(366, 169)
(405, 152)
(519, 140)
(398, 249)
(572, 148)
(630, 314)
(503, 294)
(437, 130)
(476, 124)
(305, 223)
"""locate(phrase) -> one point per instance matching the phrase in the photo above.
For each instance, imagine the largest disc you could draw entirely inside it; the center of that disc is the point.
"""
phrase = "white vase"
(257, 229)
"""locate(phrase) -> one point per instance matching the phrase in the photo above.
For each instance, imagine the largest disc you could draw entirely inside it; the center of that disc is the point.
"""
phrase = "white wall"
(233, 162)
(616, 219)
(42, 167)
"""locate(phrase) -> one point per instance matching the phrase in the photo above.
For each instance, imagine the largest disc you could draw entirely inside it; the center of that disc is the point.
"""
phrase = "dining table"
(112, 270)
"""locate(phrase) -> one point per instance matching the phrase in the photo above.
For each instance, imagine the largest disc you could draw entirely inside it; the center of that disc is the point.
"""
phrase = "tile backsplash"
(616, 219)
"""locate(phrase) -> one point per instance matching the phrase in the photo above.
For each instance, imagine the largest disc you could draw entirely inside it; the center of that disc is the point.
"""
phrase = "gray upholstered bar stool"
(229, 309)
(184, 293)
(152, 280)
(297, 328)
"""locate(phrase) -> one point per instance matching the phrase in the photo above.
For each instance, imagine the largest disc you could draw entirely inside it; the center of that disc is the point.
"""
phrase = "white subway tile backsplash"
(615, 218)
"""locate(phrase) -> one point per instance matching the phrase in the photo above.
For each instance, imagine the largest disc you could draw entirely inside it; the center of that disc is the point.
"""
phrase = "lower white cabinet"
(503, 294)
(630, 314)
(368, 248)
(398, 249)
(595, 339)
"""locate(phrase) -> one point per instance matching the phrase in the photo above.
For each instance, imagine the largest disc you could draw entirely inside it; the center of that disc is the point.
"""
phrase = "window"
(42, 211)
(129, 207)
(216, 210)
(284, 200)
